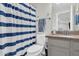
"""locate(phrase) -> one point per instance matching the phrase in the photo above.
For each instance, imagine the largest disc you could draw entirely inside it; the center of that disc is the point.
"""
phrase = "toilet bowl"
(36, 49)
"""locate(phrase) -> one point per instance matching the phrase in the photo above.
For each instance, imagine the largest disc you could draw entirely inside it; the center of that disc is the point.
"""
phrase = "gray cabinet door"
(74, 47)
(57, 51)
(59, 42)
(58, 47)
(74, 53)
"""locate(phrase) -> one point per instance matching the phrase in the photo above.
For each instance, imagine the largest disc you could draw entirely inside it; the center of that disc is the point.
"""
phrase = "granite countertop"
(62, 36)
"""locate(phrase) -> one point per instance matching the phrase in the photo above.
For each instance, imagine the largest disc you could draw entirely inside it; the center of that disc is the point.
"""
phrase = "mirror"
(63, 20)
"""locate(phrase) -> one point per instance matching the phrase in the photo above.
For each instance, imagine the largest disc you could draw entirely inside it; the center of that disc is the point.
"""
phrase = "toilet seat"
(37, 49)
(34, 50)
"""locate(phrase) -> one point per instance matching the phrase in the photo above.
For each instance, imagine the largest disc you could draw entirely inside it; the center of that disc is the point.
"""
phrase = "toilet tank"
(41, 39)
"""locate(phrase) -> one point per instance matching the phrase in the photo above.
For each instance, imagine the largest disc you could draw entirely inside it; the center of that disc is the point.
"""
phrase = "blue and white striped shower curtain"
(17, 28)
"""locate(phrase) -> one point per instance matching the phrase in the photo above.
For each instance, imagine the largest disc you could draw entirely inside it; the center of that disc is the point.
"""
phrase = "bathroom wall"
(44, 11)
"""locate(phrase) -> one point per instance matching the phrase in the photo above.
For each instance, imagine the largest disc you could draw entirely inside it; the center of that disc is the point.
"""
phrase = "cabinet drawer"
(55, 51)
(75, 44)
(59, 42)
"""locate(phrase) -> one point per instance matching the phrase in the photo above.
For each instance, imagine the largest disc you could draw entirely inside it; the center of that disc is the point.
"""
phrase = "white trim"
(56, 22)
(71, 18)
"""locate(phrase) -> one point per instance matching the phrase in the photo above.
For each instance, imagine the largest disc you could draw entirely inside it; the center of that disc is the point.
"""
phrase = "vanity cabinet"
(63, 47)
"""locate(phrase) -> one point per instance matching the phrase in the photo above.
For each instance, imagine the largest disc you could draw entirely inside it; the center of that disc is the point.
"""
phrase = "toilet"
(37, 49)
